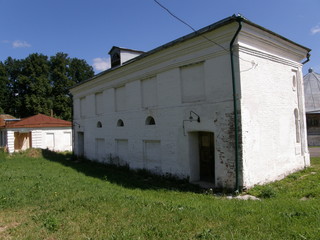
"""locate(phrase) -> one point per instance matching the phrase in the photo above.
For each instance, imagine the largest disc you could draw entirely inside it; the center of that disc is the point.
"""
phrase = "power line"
(188, 25)
(195, 31)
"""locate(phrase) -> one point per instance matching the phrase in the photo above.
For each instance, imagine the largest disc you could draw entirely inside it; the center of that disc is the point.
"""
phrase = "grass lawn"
(49, 196)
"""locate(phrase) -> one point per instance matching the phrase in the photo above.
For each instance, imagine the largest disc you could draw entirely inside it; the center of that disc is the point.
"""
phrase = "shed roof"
(39, 121)
(312, 91)
(4, 117)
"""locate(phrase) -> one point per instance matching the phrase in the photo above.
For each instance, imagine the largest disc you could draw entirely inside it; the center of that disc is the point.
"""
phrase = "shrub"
(267, 192)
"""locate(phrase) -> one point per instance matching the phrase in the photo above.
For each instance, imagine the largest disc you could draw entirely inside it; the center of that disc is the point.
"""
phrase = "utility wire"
(195, 31)
(185, 23)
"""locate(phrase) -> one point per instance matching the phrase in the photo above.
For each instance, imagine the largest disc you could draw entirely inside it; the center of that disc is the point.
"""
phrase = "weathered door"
(206, 150)
(80, 144)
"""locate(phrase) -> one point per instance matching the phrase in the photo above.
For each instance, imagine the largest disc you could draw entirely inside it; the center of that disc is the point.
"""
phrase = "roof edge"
(216, 25)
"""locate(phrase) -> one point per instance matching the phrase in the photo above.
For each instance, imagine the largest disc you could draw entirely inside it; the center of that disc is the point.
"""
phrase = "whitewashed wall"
(195, 76)
(58, 139)
(271, 90)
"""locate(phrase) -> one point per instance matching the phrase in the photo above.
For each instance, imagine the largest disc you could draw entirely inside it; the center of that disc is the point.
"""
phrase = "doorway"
(80, 144)
(22, 141)
(206, 156)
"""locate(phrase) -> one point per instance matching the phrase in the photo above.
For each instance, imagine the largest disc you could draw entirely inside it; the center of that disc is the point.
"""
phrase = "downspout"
(305, 115)
(307, 60)
(235, 109)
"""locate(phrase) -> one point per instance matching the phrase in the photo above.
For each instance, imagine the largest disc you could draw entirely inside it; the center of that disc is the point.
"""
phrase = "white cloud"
(315, 29)
(20, 44)
(101, 64)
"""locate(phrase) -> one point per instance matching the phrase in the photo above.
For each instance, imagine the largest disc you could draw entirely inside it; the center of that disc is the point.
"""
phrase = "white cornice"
(267, 56)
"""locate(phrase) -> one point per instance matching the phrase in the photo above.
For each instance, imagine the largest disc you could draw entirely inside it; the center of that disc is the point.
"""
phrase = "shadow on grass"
(121, 175)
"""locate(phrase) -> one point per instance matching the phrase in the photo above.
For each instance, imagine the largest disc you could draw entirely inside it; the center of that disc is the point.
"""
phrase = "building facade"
(222, 105)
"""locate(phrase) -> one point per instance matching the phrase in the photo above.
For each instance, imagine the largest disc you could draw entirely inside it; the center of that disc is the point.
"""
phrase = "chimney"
(120, 55)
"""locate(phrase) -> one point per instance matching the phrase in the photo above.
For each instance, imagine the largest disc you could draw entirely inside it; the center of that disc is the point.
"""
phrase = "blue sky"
(87, 29)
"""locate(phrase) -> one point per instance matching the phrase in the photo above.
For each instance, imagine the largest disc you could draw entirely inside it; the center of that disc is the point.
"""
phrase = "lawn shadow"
(122, 175)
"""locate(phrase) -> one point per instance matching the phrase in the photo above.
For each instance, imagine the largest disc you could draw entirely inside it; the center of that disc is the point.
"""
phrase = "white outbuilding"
(222, 105)
(38, 131)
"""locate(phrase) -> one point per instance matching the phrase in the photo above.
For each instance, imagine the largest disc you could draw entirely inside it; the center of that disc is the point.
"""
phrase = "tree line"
(40, 84)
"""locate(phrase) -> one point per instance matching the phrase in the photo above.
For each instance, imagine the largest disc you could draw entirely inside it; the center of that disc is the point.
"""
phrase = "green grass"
(50, 196)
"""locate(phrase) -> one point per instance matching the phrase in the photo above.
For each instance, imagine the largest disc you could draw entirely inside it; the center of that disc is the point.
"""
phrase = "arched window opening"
(297, 125)
(120, 123)
(150, 121)
(115, 60)
(99, 124)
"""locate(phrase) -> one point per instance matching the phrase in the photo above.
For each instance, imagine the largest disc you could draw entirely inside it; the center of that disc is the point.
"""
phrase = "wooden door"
(206, 151)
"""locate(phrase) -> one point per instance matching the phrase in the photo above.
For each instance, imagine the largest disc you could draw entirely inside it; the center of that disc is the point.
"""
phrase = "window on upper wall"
(120, 98)
(192, 82)
(99, 124)
(99, 103)
(149, 92)
(150, 121)
(82, 107)
(115, 60)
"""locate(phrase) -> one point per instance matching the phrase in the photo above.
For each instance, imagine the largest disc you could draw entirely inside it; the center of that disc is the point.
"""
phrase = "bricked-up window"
(297, 125)
(149, 92)
(120, 94)
(99, 103)
(82, 107)
(192, 82)
(150, 121)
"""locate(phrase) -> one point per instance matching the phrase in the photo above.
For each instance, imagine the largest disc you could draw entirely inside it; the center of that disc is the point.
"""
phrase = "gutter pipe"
(308, 59)
(235, 109)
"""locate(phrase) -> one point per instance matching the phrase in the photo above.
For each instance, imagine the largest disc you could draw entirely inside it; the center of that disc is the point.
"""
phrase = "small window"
(115, 60)
(120, 123)
(99, 124)
(150, 121)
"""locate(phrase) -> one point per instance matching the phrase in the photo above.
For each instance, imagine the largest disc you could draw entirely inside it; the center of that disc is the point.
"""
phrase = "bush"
(267, 192)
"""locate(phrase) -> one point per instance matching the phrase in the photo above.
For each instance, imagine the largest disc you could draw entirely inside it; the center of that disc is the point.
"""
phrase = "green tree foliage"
(3, 88)
(38, 84)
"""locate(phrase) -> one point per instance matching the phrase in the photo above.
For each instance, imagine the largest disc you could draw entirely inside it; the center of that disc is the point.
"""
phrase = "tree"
(35, 86)
(13, 71)
(65, 73)
(38, 84)
(4, 93)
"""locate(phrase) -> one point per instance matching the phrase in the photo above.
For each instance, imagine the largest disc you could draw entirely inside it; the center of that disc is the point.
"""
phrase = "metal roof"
(312, 91)
(38, 121)
(212, 27)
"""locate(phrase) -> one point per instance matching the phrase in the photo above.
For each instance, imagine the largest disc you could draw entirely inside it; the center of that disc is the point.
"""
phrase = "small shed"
(38, 131)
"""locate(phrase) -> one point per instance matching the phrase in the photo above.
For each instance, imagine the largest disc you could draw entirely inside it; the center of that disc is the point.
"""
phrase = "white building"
(172, 109)
(39, 131)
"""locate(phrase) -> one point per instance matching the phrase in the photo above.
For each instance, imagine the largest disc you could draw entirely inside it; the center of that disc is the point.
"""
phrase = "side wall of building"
(272, 112)
(112, 113)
